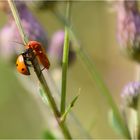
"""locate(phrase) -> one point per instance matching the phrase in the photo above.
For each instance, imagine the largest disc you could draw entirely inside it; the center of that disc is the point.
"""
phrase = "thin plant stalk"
(51, 100)
(65, 64)
(64, 71)
(17, 20)
(39, 74)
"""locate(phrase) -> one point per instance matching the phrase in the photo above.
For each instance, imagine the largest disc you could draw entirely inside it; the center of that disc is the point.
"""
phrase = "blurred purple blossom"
(127, 15)
(130, 94)
(128, 26)
(9, 33)
(56, 47)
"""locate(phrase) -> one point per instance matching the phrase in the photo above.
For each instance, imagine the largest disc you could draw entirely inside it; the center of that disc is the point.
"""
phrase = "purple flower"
(32, 27)
(130, 94)
(9, 33)
(55, 50)
(128, 18)
(126, 23)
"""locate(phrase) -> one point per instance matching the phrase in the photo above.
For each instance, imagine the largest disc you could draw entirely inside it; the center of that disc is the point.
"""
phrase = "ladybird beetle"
(22, 65)
(39, 52)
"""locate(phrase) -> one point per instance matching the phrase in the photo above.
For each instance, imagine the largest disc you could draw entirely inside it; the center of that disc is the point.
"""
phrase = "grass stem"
(17, 20)
(65, 65)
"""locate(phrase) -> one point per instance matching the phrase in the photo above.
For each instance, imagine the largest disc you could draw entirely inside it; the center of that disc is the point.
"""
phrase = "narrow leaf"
(69, 108)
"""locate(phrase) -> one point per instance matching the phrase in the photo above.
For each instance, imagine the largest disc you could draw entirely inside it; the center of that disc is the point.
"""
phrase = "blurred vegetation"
(20, 117)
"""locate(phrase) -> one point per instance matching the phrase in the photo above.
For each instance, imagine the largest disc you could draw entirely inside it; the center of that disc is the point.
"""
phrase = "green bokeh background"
(95, 25)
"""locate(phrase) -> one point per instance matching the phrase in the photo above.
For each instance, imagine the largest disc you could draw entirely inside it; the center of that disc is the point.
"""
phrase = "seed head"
(130, 94)
(128, 18)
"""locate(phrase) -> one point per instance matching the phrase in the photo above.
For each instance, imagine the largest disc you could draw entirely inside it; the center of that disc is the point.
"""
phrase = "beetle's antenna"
(18, 43)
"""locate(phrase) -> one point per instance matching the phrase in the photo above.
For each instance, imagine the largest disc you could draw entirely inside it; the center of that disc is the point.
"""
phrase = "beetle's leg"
(42, 69)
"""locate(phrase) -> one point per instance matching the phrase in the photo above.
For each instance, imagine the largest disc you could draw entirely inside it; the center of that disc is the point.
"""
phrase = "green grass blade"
(103, 89)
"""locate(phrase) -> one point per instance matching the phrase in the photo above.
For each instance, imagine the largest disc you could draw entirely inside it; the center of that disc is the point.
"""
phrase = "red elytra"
(39, 52)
